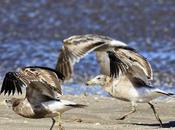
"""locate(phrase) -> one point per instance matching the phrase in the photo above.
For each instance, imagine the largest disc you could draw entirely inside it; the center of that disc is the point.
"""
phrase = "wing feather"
(38, 92)
(140, 62)
(14, 81)
(78, 46)
(51, 79)
(117, 65)
(11, 84)
(72, 53)
(127, 60)
(103, 61)
(48, 76)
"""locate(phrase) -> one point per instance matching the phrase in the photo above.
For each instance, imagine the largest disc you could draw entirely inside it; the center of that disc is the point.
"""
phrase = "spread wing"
(78, 46)
(118, 66)
(126, 60)
(36, 91)
(139, 63)
(103, 60)
(49, 76)
(74, 49)
(11, 84)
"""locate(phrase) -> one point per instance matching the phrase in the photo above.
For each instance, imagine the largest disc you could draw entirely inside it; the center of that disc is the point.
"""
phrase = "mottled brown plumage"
(127, 87)
(43, 89)
(76, 47)
(130, 89)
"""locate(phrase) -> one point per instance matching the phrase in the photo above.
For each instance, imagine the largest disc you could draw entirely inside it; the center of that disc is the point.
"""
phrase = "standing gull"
(43, 89)
(127, 87)
(78, 46)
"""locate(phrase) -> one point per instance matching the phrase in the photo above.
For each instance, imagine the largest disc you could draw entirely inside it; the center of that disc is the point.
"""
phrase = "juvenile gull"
(78, 46)
(128, 87)
(43, 89)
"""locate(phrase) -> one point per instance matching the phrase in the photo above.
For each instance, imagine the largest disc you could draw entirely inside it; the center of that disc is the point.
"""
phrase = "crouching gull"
(43, 91)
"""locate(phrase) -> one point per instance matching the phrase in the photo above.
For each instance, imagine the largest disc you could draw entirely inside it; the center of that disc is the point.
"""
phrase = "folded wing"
(47, 75)
(38, 92)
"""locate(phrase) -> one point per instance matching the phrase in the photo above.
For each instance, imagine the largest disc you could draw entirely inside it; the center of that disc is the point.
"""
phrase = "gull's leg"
(155, 114)
(53, 123)
(133, 110)
(60, 127)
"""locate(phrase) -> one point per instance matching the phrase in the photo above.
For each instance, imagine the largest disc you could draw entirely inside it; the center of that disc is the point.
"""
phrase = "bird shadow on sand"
(170, 124)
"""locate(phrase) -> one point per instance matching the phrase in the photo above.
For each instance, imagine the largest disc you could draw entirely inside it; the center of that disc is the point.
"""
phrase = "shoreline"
(100, 114)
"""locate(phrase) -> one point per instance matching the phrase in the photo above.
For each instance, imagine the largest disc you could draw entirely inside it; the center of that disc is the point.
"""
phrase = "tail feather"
(165, 93)
(76, 105)
(72, 104)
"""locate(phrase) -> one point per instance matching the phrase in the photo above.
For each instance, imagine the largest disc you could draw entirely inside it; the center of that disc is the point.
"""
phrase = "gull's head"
(27, 74)
(13, 102)
(30, 71)
(98, 80)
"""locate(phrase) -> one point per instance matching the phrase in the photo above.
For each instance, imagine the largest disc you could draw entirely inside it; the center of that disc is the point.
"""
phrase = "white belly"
(57, 106)
(141, 95)
(125, 94)
(124, 89)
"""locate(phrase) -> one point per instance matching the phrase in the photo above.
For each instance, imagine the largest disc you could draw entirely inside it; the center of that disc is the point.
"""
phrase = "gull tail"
(163, 93)
(72, 104)
(170, 95)
(77, 105)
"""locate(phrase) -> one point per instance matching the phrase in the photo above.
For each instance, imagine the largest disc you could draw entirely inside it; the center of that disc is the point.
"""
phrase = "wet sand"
(99, 115)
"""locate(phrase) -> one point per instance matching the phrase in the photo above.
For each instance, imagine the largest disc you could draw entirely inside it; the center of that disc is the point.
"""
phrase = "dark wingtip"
(10, 83)
(77, 105)
(170, 94)
(115, 64)
(127, 48)
(110, 52)
(112, 56)
(6, 83)
(167, 94)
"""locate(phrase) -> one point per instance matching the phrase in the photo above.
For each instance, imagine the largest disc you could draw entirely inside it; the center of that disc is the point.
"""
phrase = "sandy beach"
(100, 114)
(32, 33)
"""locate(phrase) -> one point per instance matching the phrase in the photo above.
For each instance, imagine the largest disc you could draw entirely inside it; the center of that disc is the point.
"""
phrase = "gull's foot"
(161, 125)
(60, 127)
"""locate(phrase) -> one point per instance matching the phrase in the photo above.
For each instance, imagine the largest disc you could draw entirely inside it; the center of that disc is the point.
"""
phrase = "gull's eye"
(26, 70)
(32, 69)
(98, 78)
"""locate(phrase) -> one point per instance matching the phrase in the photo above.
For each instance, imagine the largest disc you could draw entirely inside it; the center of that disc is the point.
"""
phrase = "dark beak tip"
(6, 101)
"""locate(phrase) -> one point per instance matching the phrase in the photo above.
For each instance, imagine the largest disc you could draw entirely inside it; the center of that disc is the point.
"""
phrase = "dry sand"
(99, 115)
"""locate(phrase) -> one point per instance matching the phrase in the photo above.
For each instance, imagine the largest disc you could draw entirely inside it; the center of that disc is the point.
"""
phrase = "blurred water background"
(31, 33)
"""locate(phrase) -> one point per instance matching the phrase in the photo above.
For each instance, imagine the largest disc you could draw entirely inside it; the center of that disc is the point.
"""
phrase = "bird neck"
(108, 83)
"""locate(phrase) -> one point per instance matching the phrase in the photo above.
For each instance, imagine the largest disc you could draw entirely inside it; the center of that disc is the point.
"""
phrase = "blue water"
(45, 53)
(31, 33)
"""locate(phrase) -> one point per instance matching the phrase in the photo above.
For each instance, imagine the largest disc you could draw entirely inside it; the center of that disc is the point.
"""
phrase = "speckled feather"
(78, 46)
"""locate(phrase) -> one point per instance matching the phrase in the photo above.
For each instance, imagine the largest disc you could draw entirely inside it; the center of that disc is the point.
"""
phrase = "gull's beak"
(90, 82)
(8, 102)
